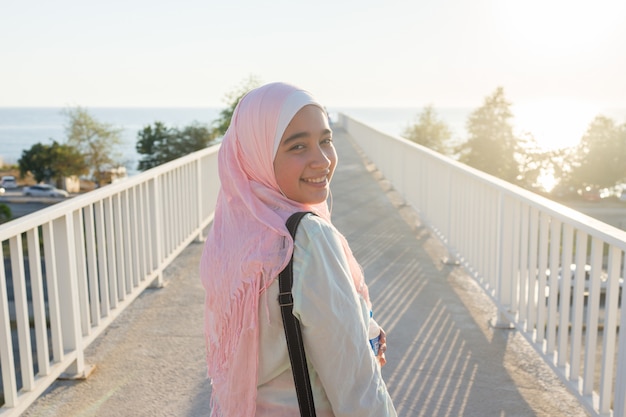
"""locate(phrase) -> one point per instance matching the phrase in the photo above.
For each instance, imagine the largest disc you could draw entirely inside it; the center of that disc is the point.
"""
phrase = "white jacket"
(345, 375)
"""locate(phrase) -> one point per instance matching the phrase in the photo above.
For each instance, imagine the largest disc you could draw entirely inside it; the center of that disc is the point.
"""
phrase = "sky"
(566, 56)
(365, 53)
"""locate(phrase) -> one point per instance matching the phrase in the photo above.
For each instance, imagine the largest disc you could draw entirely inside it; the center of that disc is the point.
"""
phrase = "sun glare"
(547, 181)
(555, 124)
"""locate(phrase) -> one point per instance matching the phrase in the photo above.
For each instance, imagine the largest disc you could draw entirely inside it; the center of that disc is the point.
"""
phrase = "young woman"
(278, 158)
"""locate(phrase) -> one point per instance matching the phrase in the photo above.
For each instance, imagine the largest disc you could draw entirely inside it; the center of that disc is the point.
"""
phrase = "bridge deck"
(444, 359)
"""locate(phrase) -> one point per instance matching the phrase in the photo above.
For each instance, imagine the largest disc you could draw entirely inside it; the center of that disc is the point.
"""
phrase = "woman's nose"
(320, 159)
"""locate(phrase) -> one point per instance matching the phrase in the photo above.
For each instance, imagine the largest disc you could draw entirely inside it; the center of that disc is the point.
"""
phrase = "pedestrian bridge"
(464, 272)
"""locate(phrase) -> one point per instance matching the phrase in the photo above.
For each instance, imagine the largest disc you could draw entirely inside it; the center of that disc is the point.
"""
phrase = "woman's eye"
(327, 140)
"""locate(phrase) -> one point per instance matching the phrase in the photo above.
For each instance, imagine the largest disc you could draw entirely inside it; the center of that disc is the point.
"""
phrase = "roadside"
(21, 205)
(609, 211)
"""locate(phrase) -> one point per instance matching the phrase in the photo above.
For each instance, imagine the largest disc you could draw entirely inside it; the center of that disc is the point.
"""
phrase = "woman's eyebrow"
(295, 136)
(305, 134)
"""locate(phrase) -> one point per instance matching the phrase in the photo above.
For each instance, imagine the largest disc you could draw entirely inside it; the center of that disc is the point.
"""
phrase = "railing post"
(199, 190)
(63, 228)
(591, 330)
(611, 328)
(21, 312)
(81, 271)
(7, 360)
(157, 227)
(619, 403)
(503, 262)
(566, 293)
(553, 284)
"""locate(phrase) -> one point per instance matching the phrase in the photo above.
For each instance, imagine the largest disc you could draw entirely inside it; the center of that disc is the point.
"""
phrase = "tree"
(159, 144)
(5, 213)
(54, 161)
(491, 146)
(220, 125)
(95, 140)
(153, 144)
(193, 138)
(429, 131)
(601, 154)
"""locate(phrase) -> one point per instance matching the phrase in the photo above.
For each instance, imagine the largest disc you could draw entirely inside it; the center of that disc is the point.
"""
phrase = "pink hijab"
(249, 244)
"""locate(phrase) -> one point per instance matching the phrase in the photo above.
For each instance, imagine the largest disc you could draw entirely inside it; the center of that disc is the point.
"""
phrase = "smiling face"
(306, 158)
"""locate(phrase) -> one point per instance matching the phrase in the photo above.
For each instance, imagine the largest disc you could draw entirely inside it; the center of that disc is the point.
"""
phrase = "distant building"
(114, 175)
(69, 184)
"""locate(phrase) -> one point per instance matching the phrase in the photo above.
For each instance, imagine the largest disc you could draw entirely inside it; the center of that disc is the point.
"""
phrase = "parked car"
(8, 181)
(44, 190)
(586, 287)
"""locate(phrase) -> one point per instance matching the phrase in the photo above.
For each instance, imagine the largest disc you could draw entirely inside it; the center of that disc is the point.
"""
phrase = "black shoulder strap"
(292, 330)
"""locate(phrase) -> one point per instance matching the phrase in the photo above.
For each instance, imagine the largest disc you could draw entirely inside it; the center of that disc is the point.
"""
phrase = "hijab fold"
(248, 244)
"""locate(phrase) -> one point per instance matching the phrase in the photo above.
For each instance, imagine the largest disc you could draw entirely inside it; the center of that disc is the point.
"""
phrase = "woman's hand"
(382, 348)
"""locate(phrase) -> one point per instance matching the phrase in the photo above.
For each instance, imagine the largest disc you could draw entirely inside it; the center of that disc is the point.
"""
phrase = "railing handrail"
(76, 265)
(21, 224)
(505, 236)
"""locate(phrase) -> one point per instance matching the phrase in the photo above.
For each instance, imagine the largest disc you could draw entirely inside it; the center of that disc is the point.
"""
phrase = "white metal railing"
(70, 269)
(516, 244)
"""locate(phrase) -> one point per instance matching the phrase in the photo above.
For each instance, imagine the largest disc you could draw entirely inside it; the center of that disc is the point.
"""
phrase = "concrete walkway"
(443, 358)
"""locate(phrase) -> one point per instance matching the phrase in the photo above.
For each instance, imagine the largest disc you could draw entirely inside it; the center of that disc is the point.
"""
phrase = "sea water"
(21, 128)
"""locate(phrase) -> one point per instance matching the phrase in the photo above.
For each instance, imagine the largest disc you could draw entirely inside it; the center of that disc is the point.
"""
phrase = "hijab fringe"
(223, 345)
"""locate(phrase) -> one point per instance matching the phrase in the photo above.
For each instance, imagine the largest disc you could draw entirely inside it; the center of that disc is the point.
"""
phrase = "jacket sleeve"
(333, 317)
